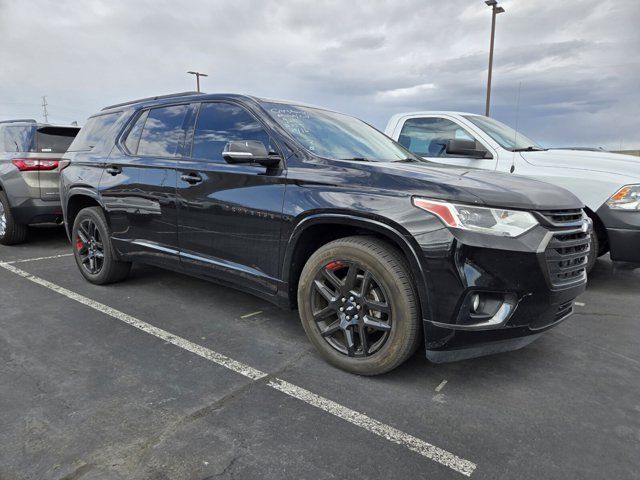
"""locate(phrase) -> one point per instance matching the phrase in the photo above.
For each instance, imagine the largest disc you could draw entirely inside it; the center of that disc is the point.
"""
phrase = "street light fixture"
(495, 10)
(198, 75)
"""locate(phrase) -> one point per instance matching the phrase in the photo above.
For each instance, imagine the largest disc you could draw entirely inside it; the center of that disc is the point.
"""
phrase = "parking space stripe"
(450, 460)
(24, 260)
(392, 434)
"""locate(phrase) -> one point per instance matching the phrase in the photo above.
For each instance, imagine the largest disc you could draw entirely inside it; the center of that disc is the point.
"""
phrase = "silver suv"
(30, 154)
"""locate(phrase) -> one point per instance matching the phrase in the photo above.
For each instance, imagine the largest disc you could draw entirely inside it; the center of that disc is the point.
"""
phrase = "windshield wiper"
(357, 159)
(529, 149)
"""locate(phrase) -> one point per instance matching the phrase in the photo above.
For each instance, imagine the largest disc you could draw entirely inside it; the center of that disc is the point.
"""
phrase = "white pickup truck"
(607, 183)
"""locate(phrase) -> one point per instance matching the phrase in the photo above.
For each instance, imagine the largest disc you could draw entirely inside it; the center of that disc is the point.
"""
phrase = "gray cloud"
(574, 63)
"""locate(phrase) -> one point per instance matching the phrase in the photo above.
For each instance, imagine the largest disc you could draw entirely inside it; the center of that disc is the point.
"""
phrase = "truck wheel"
(358, 305)
(593, 253)
(93, 251)
(11, 233)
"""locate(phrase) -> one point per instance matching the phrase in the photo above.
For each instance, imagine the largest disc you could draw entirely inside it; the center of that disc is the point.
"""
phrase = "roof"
(196, 96)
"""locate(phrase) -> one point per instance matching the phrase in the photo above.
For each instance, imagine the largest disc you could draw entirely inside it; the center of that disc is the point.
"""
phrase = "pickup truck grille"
(567, 256)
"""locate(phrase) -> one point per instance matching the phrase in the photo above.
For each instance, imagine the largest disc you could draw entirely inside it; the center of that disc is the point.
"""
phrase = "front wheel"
(593, 253)
(93, 251)
(358, 305)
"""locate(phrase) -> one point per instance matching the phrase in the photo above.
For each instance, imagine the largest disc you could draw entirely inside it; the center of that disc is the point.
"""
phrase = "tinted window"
(163, 132)
(428, 137)
(219, 123)
(55, 139)
(133, 138)
(19, 139)
(93, 131)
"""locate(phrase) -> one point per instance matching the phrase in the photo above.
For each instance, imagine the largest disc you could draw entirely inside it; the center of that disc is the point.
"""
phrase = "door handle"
(114, 170)
(192, 178)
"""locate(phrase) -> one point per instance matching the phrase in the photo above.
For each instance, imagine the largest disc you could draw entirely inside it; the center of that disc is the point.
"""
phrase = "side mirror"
(249, 151)
(466, 148)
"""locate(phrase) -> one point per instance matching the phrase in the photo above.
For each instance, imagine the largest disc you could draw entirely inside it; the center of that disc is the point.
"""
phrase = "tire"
(394, 335)
(93, 250)
(594, 252)
(11, 233)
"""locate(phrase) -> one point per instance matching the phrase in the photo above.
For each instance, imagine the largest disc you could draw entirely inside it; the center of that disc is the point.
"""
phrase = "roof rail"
(25, 120)
(140, 100)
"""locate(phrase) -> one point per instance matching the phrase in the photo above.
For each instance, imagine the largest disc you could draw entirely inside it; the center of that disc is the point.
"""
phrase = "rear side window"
(93, 131)
(428, 137)
(219, 123)
(55, 139)
(163, 132)
(19, 138)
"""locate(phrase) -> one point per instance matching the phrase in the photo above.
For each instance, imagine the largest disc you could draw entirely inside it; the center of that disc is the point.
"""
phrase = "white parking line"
(441, 386)
(13, 262)
(465, 467)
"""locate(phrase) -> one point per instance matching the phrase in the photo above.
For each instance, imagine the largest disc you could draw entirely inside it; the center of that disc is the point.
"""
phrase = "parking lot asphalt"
(86, 395)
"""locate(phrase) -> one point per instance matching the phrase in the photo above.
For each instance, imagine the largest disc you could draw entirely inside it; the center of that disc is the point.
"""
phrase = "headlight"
(491, 221)
(627, 198)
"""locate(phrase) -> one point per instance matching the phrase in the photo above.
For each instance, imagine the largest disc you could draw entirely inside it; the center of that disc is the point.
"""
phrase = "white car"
(607, 183)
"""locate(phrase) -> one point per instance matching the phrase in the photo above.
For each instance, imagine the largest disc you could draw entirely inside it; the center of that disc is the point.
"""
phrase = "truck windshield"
(506, 136)
(337, 136)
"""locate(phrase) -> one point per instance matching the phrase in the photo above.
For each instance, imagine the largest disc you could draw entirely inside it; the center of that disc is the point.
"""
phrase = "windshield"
(334, 135)
(506, 136)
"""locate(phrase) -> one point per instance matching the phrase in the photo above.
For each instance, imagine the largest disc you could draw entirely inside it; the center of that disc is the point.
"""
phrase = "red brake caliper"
(337, 265)
(79, 244)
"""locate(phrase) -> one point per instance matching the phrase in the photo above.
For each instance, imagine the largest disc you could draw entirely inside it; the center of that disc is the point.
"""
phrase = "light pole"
(495, 10)
(198, 75)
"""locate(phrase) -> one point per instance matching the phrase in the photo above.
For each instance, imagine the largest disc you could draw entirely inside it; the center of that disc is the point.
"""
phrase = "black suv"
(317, 210)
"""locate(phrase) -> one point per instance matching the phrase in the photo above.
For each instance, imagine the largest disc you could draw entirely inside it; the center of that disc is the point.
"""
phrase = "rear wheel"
(11, 233)
(358, 305)
(93, 250)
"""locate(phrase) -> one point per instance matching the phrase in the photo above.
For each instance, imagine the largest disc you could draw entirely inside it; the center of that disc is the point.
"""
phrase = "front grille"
(567, 256)
(561, 218)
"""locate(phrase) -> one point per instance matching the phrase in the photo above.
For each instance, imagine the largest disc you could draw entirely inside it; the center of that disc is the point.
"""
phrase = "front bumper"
(623, 232)
(519, 270)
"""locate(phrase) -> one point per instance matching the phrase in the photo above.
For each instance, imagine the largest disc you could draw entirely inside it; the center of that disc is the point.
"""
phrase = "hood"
(490, 188)
(604, 162)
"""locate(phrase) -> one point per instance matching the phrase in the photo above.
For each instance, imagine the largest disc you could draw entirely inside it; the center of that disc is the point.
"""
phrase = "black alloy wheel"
(350, 308)
(89, 246)
(358, 305)
(92, 248)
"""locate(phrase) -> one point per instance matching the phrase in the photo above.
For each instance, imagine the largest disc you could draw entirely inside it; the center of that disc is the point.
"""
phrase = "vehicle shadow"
(618, 277)
(51, 234)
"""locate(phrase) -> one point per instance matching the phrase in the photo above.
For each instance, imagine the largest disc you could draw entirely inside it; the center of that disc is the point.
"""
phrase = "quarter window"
(19, 139)
(93, 131)
(428, 137)
(219, 123)
(163, 132)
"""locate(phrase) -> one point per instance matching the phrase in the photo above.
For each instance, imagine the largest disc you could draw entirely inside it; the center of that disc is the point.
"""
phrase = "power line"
(44, 109)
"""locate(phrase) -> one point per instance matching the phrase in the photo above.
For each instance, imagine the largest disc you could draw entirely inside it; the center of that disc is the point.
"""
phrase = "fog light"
(475, 303)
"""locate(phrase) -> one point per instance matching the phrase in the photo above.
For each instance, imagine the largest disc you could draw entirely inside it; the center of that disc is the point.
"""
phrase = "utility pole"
(495, 10)
(198, 75)
(44, 109)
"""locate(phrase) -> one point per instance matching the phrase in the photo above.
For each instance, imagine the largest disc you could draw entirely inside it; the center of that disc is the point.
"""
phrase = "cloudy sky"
(576, 63)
